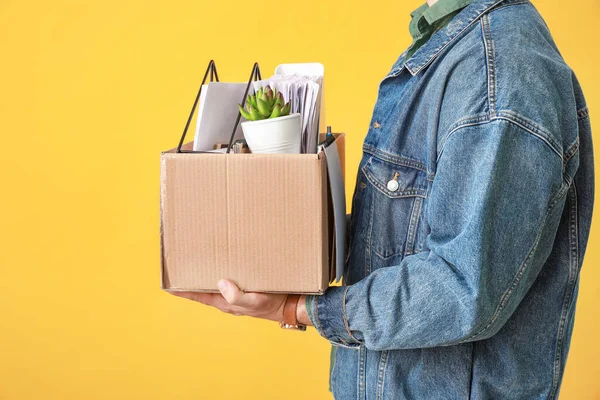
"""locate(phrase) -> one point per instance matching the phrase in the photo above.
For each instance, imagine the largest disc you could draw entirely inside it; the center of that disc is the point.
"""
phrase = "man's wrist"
(301, 313)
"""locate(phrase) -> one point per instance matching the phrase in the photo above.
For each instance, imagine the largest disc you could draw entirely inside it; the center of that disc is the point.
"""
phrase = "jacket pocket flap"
(395, 180)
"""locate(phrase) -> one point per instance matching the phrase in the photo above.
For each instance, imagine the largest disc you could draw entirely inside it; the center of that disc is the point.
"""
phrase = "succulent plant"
(265, 103)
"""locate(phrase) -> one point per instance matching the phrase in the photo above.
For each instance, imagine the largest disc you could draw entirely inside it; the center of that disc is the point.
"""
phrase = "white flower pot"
(279, 135)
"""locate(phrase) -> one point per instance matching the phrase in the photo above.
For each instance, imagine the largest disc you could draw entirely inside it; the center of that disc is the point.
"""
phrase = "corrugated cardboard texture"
(261, 220)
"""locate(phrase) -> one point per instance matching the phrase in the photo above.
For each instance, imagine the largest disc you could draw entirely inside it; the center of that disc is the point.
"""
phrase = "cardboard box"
(263, 220)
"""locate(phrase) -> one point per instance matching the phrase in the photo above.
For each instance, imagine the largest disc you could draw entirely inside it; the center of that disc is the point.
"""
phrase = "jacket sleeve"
(494, 208)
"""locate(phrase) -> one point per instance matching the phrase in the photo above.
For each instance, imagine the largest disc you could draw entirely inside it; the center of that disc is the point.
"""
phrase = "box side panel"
(194, 219)
(164, 283)
(330, 235)
(276, 213)
(326, 227)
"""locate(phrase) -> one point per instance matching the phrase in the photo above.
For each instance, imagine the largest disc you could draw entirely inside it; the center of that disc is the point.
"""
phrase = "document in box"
(336, 183)
(217, 113)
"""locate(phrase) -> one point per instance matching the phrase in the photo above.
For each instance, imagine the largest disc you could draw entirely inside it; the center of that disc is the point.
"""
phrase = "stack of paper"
(304, 91)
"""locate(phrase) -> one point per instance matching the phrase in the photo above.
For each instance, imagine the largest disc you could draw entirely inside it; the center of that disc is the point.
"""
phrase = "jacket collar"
(443, 37)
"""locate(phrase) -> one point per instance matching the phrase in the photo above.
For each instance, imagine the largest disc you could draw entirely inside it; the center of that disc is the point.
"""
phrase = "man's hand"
(259, 305)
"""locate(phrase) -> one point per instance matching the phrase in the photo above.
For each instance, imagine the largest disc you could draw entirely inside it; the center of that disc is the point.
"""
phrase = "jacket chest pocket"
(398, 193)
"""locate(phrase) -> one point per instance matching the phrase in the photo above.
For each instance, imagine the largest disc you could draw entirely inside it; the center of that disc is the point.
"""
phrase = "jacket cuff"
(327, 313)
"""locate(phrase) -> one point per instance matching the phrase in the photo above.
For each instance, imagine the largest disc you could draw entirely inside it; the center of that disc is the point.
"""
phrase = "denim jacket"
(470, 219)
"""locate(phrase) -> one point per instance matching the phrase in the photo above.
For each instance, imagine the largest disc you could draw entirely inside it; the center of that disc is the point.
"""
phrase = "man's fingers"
(231, 299)
(210, 299)
(205, 298)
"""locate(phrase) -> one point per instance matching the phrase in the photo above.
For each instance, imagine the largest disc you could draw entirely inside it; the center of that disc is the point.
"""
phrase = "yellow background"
(92, 91)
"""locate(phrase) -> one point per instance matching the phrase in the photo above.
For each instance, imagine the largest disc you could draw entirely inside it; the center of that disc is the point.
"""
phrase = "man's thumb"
(230, 291)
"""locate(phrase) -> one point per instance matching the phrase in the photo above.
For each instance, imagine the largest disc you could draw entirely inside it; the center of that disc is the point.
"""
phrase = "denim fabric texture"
(470, 219)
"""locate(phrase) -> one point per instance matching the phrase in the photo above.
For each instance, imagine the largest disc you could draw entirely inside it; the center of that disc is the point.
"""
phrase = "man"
(470, 218)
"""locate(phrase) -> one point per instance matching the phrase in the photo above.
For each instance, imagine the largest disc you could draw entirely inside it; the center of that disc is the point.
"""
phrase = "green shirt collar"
(425, 19)
(431, 48)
